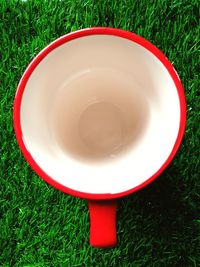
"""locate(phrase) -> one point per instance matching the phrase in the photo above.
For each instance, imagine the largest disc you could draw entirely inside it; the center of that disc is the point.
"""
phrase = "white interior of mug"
(100, 114)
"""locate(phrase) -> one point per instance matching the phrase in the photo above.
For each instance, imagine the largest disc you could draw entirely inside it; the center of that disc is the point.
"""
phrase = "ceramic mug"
(99, 114)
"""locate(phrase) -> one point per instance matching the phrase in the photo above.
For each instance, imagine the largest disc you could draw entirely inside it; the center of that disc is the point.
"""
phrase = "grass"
(157, 226)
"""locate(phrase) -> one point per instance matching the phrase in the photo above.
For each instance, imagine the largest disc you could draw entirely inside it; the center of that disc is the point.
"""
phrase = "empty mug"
(99, 114)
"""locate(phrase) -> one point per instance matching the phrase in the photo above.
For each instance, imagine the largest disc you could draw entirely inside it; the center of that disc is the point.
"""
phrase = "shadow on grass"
(161, 216)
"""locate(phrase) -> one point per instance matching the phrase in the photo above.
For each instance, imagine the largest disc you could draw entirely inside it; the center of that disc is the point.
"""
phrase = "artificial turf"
(157, 226)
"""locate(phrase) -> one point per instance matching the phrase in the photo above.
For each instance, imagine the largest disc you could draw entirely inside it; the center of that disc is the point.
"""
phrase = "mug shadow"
(158, 212)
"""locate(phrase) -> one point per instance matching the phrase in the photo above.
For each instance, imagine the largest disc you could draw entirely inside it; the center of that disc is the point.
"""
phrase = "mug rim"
(64, 39)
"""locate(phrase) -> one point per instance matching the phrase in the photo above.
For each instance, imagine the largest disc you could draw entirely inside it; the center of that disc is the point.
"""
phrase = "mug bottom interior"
(97, 116)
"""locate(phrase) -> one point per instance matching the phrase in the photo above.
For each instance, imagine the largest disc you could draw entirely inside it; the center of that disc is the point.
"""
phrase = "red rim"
(67, 38)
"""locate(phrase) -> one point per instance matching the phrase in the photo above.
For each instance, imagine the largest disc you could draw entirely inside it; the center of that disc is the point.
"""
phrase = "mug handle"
(103, 223)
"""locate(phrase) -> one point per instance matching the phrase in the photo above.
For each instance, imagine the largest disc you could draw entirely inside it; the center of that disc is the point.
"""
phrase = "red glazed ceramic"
(99, 114)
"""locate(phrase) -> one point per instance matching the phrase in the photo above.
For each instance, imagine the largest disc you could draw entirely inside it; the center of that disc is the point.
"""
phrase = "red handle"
(103, 223)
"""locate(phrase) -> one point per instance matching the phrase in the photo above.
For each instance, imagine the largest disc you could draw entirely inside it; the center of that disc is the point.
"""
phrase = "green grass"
(157, 226)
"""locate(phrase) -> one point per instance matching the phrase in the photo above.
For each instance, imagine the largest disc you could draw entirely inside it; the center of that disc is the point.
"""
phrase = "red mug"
(99, 114)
